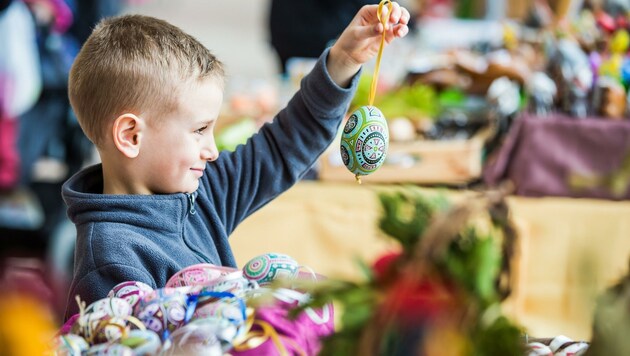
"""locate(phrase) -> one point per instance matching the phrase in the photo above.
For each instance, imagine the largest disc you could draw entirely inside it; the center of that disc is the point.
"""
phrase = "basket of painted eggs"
(203, 309)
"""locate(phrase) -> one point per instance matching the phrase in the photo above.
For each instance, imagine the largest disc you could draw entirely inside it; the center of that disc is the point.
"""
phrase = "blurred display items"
(438, 291)
(612, 320)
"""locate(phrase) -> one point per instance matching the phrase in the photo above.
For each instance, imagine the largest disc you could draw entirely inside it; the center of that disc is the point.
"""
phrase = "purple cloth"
(304, 334)
(540, 154)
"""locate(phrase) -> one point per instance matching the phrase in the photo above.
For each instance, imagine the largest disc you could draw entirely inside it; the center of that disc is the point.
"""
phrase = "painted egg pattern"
(143, 342)
(163, 310)
(70, 344)
(364, 141)
(109, 349)
(111, 306)
(131, 291)
(268, 267)
(195, 339)
(199, 274)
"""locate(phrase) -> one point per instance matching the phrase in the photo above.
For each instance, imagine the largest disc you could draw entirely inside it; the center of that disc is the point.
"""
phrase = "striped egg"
(364, 141)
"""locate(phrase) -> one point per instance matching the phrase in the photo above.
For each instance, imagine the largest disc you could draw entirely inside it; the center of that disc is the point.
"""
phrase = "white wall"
(234, 30)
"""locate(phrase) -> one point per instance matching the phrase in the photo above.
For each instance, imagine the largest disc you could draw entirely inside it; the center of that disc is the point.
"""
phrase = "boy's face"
(175, 150)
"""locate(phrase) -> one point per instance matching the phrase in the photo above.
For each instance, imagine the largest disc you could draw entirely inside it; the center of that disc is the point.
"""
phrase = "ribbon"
(384, 20)
(252, 339)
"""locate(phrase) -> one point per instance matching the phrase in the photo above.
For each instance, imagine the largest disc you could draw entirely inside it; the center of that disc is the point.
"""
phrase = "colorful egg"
(227, 308)
(109, 349)
(69, 345)
(195, 339)
(111, 306)
(143, 342)
(87, 324)
(364, 141)
(234, 283)
(131, 291)
(271, 266)
(199, 274)
(163, 310)
(110, 329)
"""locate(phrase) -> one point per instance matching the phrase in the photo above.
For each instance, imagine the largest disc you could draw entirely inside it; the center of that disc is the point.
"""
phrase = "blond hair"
(134, 64)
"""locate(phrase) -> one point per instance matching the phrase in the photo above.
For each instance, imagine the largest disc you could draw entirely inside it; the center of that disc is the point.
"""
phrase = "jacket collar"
(86, 203)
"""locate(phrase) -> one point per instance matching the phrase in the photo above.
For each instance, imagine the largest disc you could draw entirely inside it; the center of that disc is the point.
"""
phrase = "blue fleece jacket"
(148, 238)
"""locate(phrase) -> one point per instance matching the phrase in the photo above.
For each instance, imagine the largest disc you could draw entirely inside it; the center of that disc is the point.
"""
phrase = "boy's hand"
(361, 40)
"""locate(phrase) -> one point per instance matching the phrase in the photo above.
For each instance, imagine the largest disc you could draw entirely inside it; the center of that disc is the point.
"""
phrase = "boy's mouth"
(197, 171)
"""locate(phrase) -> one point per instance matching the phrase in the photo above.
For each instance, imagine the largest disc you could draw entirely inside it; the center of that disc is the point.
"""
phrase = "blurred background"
(479, 94)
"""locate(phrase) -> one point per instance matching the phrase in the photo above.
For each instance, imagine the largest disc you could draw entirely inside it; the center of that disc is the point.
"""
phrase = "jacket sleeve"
(96, 284)
(277, 156)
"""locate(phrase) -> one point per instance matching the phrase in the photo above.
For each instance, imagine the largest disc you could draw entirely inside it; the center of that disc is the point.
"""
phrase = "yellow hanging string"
(383, 20)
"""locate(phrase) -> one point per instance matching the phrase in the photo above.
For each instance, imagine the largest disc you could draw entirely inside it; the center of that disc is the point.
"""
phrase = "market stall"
(570, 249)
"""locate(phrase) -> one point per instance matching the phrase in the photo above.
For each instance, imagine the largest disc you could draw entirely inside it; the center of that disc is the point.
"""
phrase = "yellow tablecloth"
(570, 249)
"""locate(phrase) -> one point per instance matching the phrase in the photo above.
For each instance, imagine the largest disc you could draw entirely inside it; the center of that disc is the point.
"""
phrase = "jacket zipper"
(191, 199)
(192, 211)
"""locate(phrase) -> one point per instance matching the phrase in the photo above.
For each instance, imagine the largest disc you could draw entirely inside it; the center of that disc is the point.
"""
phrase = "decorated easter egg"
(234, 283)
(110, 329)
(130, 291)
(270, 266)
(364, 141)
(109, 349)
(143, 342)
(111, 306)
(87, 324)
(231, 309)
(199, 274)
(195, 339)
(69, 344)
(163, 310)
(538, 349)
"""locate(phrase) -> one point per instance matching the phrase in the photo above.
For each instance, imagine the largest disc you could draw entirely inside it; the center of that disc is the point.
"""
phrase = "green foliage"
(500, 338)
(413, 102)
(473, 261)
(406, 215)
(235, 134)
(469, 268)
(452, 97)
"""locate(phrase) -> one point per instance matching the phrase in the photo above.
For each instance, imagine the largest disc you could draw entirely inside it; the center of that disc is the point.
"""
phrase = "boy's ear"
(127, 134)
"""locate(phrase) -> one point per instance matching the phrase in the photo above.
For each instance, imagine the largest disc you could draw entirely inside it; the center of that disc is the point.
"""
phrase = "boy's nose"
(210, 152)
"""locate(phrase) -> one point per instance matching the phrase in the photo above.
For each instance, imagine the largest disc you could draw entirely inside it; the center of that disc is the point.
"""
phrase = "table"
(570, 249)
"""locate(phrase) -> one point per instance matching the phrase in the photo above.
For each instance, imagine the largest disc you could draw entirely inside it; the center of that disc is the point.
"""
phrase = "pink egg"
(199, 274)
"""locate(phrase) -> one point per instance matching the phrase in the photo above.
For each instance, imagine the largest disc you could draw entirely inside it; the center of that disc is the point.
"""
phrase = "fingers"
(368, 31)
(399, 17)
(396, 23)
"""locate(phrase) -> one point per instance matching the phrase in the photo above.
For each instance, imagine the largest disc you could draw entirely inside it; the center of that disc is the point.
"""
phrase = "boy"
(148, 96)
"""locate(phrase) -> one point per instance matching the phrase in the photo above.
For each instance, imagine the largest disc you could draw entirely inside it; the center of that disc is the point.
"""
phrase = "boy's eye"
(201, 130)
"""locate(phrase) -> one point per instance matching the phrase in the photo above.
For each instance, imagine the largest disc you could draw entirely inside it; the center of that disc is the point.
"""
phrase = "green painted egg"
(364, 141)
